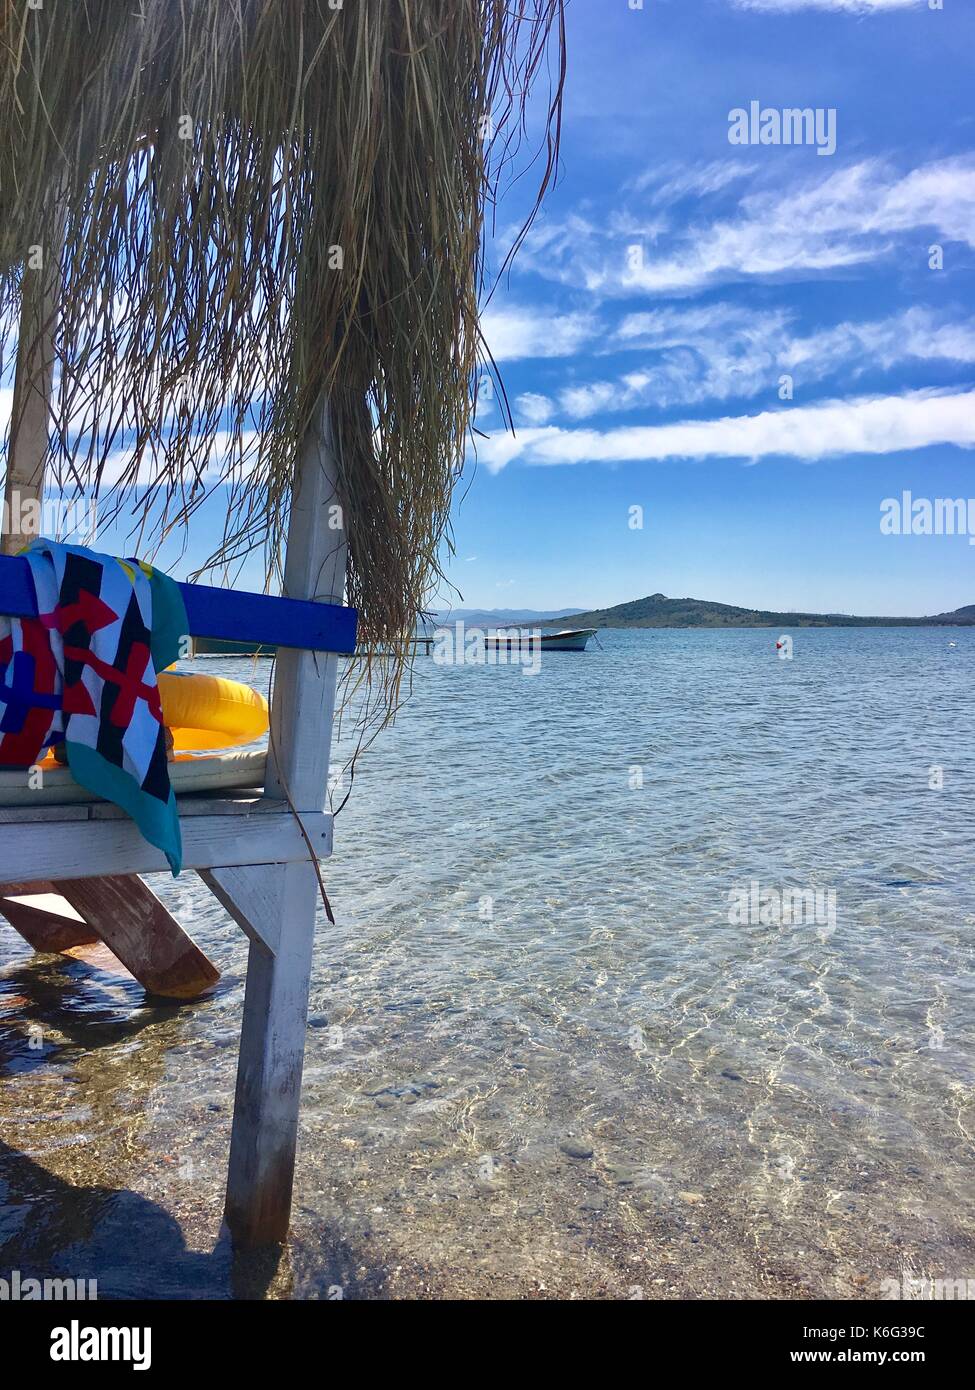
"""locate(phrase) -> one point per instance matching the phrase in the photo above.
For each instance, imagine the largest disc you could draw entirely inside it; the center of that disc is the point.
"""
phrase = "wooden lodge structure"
(250, 231)
(255, 853)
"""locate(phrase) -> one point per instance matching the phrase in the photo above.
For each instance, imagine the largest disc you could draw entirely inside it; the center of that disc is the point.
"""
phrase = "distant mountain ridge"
(657, 610)
(496, 617)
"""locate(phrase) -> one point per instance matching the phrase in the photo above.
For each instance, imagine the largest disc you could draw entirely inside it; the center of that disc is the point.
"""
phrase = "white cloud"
(849, 217)
(846, 6)
(723, 351)
(708, 352)
(914, 335)
(846, 218)
(588, 399)
(211, 470)
(668, 326)
(513, 333)
(533, 409)
(869, 425)
(569, 251)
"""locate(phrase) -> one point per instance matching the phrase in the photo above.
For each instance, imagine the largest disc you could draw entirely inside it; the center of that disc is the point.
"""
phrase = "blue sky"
(651, 377)
(671, 282)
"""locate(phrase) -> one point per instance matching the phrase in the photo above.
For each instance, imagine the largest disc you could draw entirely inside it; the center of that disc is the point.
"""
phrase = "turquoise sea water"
(545, 1055)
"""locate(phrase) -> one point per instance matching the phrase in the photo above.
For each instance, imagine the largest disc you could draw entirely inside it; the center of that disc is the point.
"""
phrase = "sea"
(651, 977)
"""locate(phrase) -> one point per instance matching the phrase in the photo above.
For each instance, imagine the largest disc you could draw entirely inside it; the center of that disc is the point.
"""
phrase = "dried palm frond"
(254, 203)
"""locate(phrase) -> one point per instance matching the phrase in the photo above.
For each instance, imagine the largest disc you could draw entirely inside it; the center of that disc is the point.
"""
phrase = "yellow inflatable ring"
(210, 712)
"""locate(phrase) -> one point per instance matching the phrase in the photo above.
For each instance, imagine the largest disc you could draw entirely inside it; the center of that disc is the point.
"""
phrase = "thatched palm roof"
(262, 201)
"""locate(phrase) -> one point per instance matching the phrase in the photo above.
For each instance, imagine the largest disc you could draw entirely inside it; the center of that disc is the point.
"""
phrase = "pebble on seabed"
(575, 1148)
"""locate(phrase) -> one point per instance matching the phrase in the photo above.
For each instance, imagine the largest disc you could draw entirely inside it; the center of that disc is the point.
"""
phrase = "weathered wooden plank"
(127, 916)
(123, 914)
(23, 815)
(231, 613)
(85, 849)
(104, 810)
(202, 806)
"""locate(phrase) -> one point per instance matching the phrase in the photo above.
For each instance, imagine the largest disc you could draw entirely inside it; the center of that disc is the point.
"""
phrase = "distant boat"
(569, 640)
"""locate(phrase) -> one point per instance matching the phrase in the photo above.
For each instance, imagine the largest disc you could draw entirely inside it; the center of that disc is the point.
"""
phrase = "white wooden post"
(27, 449)
(281, 910)
(31, 408)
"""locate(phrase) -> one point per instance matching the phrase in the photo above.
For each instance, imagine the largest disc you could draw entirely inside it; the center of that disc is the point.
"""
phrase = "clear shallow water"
(533, 954)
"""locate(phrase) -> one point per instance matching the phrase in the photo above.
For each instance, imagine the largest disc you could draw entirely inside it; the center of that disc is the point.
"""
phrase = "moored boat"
(568, 640)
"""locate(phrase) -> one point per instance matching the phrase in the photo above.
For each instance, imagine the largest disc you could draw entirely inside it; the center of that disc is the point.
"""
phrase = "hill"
(658, 610)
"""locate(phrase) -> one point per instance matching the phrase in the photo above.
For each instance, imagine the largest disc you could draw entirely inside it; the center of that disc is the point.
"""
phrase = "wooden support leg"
(272, 1046)
(126, 914)
(120, 911)
(281, 921)
(46, 922)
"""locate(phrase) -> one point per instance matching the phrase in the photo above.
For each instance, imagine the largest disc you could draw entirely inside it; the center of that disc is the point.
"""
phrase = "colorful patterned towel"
(84, 672)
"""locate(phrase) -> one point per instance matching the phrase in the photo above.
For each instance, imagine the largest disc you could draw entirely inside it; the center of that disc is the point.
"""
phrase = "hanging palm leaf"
(251, 203)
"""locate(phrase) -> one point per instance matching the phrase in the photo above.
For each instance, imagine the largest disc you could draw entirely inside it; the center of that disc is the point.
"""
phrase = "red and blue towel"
(83, 673)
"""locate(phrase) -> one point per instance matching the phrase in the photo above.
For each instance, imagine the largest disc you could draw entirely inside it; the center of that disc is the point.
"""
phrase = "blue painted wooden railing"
(225, 613)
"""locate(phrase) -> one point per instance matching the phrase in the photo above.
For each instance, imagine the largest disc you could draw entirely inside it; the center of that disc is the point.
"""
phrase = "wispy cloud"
(726, 351)
(514, 333)
(915, 335)
(851, 217)
(215, 468)
(869, 425)
(672, 181)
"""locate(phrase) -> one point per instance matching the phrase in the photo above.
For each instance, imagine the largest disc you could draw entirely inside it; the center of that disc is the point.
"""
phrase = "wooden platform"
(216, 833)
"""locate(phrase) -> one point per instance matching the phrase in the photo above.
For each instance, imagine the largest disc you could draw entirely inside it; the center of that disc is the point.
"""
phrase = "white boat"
(568, 640)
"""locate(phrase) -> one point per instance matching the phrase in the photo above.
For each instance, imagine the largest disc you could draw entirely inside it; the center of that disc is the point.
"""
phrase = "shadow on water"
(130, 1245)
(54, 994)
(72, 1043)
(135, 1249)
(54, 1228)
